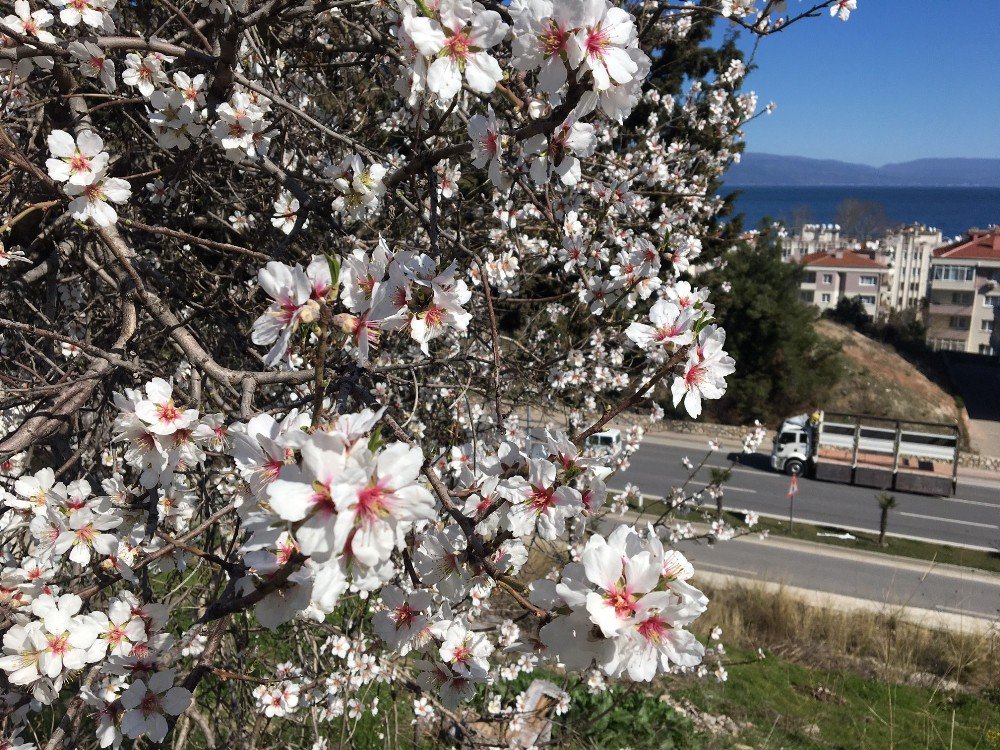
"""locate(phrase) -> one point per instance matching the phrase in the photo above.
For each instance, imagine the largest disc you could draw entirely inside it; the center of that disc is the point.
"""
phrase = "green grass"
(939, 553)
(786, 705)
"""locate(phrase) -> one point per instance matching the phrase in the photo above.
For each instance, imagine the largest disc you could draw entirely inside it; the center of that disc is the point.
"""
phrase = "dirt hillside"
(879, 382)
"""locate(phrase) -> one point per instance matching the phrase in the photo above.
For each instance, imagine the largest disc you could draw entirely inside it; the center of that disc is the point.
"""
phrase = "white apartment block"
(964, 295)
(907, 254)
(811, 239)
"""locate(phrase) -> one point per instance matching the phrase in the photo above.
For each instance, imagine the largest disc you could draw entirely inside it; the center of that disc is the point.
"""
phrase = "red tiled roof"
(979, 246)
(841, 259)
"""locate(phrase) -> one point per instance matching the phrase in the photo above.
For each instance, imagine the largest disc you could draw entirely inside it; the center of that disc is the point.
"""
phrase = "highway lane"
(883, 579)
(971, 518)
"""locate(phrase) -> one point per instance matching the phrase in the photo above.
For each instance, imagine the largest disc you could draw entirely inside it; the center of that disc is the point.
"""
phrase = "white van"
(607, 443)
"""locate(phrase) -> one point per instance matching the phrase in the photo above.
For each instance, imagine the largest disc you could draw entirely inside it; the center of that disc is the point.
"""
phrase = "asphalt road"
(885, 580)
(971, 518)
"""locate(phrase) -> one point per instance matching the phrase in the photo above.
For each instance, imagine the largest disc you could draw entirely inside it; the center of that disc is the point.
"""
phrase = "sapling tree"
(886, 502)
(277, 280)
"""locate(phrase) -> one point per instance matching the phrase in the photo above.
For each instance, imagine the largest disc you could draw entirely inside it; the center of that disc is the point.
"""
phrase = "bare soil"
(879, 382)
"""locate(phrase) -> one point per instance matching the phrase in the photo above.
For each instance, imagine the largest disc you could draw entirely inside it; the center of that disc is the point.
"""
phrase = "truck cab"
(792, 447)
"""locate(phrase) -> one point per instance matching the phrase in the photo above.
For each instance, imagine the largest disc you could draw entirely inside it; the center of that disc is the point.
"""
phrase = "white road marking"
(950, 520)
(971, 502)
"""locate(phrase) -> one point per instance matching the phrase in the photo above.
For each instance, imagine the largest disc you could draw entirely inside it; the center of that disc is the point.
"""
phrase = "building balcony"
(936, 308)
(953, 286)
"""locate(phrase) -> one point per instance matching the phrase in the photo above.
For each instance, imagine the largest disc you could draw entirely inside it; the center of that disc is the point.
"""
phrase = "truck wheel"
(793, 466)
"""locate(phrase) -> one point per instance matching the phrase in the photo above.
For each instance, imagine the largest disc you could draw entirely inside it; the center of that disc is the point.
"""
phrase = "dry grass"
(872, 644)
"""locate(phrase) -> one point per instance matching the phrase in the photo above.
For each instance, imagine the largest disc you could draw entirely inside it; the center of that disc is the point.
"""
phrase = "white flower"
(143, 73)
(91, 12)
(705, 371)
(91, 201)
(377, 498)
(290, 288)
(542, 33)
(842, 9)
(286, 209)
(159, 411)
(600, 44)
(538, 502)
(79, 161)
(94, 63)
(459, 41)
(487, 146)
(672, 326)
(85, 533)
(145, 704)
(24, 21)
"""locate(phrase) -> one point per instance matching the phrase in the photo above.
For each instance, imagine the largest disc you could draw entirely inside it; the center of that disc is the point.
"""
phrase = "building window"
(959, 322)
(806, 297)
(987, 325)
(826, 298)
(810, 277)
(962, 298)
(868, 281)
(949, 345)
(954, 273)
(986, 349)
(991, 300)
(868, 299)
(827, 278)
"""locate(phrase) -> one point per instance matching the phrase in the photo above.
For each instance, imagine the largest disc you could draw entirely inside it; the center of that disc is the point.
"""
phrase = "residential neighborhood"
(952, 288)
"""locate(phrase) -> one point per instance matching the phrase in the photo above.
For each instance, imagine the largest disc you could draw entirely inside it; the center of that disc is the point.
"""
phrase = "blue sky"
(901, 80)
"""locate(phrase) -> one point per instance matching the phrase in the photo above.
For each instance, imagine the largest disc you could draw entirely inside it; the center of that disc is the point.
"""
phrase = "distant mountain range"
(761, 170)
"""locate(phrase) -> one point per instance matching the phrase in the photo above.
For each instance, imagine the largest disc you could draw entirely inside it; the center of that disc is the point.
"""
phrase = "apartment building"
(963, 313)
(906, 252)
(812, 238)
(829, 276)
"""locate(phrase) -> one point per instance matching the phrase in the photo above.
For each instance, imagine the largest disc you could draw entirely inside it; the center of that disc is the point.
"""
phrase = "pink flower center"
(404, 616)
(86, 534)
(322, 499)
(490, 143)
(168, 413)
(694, 376)
(150, 703)
(622, 601)
(58, 644)
(597, 42)
(653, 628)
(542, 498)
(458, 46)
(372, 503)
(95, 192)
(434, 316)
(553, 39)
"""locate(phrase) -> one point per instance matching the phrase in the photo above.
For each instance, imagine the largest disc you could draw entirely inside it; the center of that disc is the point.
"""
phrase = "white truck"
(887, 454)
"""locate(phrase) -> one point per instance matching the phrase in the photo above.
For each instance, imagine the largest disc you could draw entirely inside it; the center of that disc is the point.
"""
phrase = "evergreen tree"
(785, 366)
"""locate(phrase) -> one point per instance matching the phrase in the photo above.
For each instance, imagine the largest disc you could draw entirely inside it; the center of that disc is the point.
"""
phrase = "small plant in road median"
(885, 502)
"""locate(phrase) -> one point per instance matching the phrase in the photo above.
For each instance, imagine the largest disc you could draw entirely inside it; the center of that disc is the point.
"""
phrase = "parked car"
(607, 443)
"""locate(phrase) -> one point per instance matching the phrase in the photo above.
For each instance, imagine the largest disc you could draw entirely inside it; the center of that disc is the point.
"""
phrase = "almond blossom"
(377, 498)
(148, 702)
(93, 13)
(91, 201)
(158, 410)
(705, 371)
(459, 39)
(672, 326)
(78, 161)
(600, 44)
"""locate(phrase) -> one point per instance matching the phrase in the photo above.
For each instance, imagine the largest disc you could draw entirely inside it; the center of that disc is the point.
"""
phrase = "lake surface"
(953, 210)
